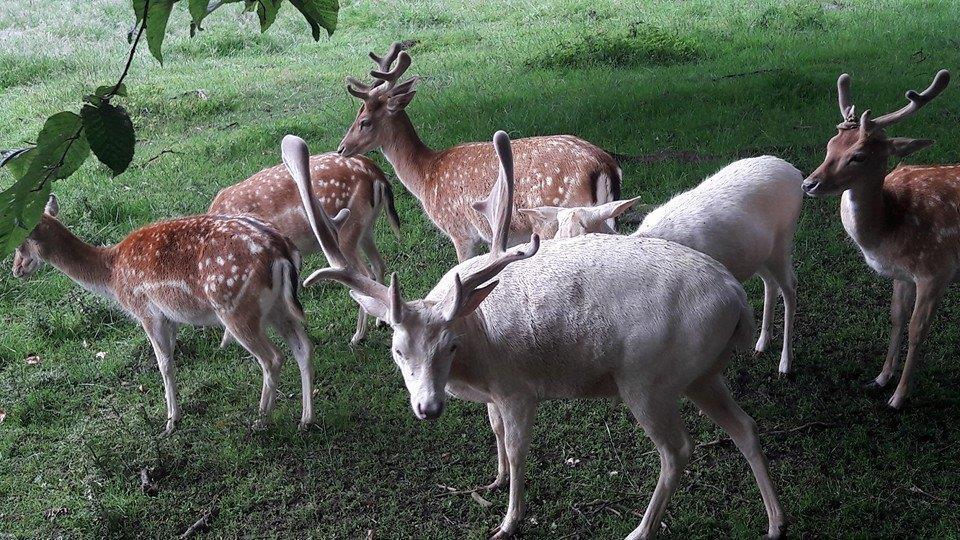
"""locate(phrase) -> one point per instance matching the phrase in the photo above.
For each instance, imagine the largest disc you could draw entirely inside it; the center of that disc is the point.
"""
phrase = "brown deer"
(237, 272)
(560, 170)
(906, 223)
(354, 183)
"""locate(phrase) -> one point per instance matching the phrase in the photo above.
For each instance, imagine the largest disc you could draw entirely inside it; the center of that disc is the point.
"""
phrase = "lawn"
(677, 89)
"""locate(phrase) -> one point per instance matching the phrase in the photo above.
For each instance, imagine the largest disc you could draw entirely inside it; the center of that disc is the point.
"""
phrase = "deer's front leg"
(928, 295)
(503, 464)
(900, 304)
(517, 416)
(162, 334)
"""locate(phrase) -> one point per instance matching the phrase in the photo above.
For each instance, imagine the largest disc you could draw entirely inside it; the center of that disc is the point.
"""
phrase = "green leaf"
(267, 12)
(19, 163)
(139, 6)
(158, 13)
(110, 134)
(198, 12)
(7, 156)
(61, 147)
(318, 13)
(21, 206)
(104, 90)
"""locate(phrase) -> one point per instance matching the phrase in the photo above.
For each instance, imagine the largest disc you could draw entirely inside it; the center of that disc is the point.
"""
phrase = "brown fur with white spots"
(355, 183)
(560, 170)
(906, 223)
(204, 270)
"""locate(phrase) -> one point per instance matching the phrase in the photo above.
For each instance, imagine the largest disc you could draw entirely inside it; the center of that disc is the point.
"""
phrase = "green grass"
(710, 79)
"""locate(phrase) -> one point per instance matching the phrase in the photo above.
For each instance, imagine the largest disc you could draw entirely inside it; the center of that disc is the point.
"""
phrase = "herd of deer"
(573, 311)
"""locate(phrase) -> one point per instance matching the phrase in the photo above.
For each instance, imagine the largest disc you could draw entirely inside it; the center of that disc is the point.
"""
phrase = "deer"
(354, 183)
(562, 170)
(905, 222)
(207, 270)
(744, 216)
(497, 329)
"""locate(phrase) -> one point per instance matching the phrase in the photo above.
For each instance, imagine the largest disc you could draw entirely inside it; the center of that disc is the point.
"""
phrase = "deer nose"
(429, 410)
(810, 185)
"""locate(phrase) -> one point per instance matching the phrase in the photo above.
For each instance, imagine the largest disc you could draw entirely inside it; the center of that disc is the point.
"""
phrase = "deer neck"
(89, 266)
(864, 211)
(408, 155)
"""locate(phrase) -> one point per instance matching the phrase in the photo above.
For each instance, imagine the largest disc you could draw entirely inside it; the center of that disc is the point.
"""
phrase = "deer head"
(858, 153)
(557, 222)
(427, 335)
(382, 100)
(27, 259)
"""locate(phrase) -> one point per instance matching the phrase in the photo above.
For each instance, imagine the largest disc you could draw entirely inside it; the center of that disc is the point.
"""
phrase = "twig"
(745, 74)
(722, 440)
(133, 49)
(202, 524)
(156, 157)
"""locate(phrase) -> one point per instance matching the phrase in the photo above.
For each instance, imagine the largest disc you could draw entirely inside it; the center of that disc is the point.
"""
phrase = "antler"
(384, 62)
(463, 290)
(843, 95)
(296, 156)
(390, 76)
(940, 82)
(358, 89)
(498, 206)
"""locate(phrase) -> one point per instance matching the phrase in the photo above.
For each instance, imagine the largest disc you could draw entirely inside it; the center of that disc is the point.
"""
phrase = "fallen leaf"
(86, 345)
(101, 355)
(480, 500)
(3, 415)
(53, 513)
(32, 360)
(572, 462)
(141, 389)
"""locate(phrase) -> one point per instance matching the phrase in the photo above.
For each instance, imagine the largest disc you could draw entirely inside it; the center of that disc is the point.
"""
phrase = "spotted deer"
(559, 170)
(354, 183)
(906, 223)
(497, 329)
(205, 270)
(744, 216)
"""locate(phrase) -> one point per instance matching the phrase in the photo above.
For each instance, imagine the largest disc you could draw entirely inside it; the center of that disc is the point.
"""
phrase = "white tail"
(232, 271)
(506, 320)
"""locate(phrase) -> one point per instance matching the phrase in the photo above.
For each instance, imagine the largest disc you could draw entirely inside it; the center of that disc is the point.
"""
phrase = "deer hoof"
(897, 402)
(874, 386)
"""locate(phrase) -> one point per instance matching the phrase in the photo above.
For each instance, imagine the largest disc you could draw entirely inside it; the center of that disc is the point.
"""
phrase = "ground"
(676, 89)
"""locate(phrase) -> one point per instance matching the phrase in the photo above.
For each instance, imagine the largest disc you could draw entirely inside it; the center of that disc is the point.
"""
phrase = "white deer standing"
(744, 216)
(593, 316)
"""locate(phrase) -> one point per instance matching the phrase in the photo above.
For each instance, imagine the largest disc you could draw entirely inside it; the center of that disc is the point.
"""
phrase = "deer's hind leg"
(296, 337)
(246, 326)
(162, 333)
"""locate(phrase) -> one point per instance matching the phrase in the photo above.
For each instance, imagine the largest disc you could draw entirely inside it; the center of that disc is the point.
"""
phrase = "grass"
(707, 79)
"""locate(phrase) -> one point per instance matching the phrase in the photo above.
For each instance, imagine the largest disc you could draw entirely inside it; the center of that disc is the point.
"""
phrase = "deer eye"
(453, 347)
(858, 157)
(364, 124)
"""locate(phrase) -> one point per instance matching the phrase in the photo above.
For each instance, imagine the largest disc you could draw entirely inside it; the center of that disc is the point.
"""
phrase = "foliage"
(67, 138)
(642, 45)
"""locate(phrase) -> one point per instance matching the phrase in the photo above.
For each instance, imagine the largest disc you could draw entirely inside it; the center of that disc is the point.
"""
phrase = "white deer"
(744, 216)
(593, 316)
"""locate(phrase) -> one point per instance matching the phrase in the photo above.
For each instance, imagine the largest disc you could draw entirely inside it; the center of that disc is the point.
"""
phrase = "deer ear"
(53, 206)
(544, 214)
(372, 306)
(399, 102)
(904, 147)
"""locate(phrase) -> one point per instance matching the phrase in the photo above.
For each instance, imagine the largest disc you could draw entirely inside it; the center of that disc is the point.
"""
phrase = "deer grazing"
(355, 183)
(744, 216)
(497, 329)
(906, 223)
(561, 170)
(204, 270)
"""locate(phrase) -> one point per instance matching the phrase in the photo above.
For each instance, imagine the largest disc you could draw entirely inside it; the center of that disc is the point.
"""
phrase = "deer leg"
(377, 267)
(787, 282)
(903, 298)
(928, 295)
(769, 300)
(661, 421)
(713, 397)
(503, 464)
(162, 334)
(517, 417)
(248, 331)
(298, 340)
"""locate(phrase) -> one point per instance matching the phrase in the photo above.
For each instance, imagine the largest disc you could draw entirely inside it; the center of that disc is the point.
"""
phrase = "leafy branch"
(67, 138)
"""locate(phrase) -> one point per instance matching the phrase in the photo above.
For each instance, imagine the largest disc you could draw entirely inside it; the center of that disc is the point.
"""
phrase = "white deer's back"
(601, 304)
(735, 215)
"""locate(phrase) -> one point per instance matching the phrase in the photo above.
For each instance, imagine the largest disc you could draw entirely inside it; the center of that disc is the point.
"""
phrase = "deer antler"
(843, 95)
(296, 156)
(498, 206)
(390, 76)
(384, 62)
(940, 82)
